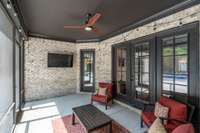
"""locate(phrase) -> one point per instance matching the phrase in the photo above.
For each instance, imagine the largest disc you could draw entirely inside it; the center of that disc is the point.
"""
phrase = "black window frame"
(192, 29)
(174, 45)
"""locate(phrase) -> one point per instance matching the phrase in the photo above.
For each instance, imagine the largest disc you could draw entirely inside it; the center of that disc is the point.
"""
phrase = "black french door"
(121, 72)
(143, 71)
(134, 73)
(87, 70)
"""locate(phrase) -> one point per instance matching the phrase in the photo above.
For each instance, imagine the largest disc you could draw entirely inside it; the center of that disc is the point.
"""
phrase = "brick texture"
(43, 82)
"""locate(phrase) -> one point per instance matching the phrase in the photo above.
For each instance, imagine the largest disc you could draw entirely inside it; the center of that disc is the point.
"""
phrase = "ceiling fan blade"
(97, 31)
(74, 26)
(93, 19)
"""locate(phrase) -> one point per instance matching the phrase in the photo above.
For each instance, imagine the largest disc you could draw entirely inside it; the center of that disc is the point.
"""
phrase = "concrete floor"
(37, 115)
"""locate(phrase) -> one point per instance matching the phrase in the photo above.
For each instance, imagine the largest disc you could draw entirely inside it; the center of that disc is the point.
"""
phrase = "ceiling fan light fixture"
(88, 28)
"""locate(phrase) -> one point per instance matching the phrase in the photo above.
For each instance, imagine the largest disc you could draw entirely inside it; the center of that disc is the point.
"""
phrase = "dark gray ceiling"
(46, 18)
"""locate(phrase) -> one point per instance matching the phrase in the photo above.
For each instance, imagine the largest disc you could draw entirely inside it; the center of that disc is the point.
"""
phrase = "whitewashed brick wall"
(43, 82)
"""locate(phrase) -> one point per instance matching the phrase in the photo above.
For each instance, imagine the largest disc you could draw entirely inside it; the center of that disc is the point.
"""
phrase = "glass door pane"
(141, 71)
(121, 71)
(87, 70)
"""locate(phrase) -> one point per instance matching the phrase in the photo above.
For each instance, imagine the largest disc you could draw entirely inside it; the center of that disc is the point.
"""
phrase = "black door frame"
(152, 70)
(124, 98)
(82, 88)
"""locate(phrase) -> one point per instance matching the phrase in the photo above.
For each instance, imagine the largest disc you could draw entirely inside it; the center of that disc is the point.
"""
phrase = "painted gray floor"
(38, 115)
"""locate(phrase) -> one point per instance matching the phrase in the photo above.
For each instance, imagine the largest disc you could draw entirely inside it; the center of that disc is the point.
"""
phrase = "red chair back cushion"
(177, 110)
(106, 85)
(185, 128)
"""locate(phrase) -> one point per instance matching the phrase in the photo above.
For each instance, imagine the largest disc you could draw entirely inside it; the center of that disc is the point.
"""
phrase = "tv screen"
(60, 60)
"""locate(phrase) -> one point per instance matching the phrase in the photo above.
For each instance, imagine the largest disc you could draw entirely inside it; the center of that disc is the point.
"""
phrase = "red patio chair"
(103, 99)
(179, 113)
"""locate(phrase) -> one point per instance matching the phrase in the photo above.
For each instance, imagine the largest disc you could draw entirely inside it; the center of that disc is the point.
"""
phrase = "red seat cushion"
(185, 128)
(177, 110)
(148, 117)
(99, 98)
(171, 126)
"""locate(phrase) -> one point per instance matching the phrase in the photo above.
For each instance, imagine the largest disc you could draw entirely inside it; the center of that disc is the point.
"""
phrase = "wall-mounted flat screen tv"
(60, 60)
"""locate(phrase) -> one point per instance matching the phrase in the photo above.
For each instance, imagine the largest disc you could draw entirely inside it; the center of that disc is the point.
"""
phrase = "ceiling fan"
(89, 24)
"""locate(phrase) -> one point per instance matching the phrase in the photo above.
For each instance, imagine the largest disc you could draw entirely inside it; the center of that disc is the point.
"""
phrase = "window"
(142, 71)
(175, 64)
